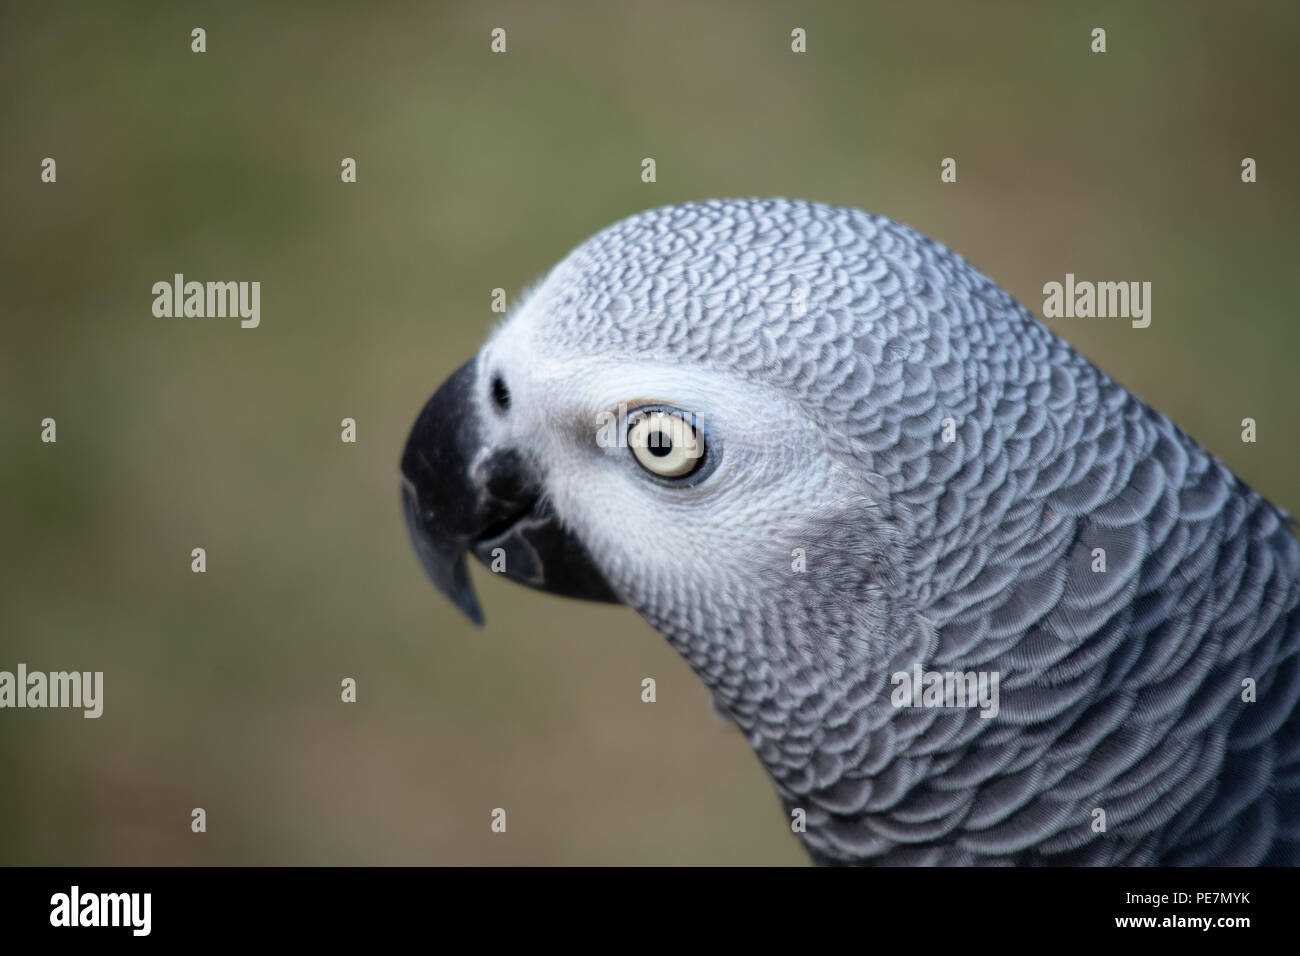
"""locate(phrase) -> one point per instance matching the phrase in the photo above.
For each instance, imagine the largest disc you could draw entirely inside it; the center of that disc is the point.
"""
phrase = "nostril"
(500, 394)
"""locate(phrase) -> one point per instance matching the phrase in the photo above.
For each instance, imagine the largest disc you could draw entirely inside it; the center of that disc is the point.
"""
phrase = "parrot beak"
(459, 495)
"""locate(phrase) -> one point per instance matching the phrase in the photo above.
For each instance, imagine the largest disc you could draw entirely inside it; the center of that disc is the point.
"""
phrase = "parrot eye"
(664, 443)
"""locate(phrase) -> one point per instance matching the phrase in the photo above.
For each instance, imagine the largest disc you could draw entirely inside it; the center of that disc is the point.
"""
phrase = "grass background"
(476, 171)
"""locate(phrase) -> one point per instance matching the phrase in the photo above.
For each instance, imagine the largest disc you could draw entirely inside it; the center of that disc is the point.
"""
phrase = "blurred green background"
(476, 171)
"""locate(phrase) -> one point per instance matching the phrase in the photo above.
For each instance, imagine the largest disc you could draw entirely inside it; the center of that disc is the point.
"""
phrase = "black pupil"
(500, 394)
(659, 444)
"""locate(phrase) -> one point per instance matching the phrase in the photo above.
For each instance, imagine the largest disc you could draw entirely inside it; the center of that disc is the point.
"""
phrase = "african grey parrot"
(826, 458)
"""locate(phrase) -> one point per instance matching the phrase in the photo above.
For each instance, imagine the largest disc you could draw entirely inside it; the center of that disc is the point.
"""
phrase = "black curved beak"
(458, 495)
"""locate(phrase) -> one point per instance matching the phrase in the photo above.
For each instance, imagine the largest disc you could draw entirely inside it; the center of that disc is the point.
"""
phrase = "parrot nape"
(845, 475)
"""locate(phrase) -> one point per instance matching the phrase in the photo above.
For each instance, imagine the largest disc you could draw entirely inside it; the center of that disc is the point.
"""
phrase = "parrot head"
(669, 422)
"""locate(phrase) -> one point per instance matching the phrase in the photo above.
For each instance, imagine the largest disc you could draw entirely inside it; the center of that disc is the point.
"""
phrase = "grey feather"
(1120, 691)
